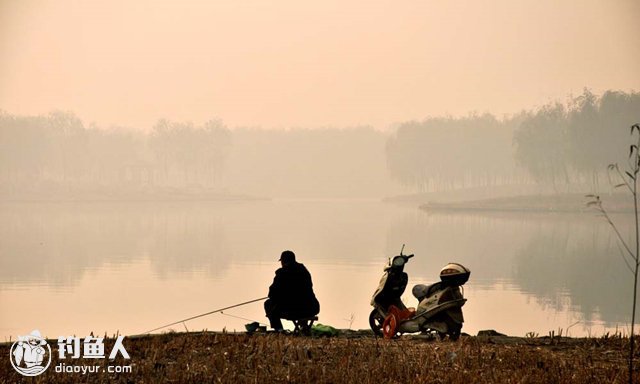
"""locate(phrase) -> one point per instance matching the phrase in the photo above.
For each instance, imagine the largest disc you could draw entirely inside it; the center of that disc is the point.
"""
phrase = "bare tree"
(631, 253)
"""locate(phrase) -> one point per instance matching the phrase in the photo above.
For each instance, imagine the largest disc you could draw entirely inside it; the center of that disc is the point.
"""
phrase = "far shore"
(530, 203)
(567, 203)
(124, 196)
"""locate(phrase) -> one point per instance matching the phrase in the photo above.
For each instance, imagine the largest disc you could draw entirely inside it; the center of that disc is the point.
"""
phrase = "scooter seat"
(433, 288)
(422, 291)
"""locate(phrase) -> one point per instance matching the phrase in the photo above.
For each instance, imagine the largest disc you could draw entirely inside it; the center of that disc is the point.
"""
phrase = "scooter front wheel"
(375, 322)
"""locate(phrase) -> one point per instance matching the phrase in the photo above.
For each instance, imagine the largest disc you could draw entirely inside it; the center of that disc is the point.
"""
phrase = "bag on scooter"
(454, 274)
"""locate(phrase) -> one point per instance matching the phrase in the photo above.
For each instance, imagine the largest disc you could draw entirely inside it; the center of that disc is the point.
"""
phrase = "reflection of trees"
(55, 244)
(580, 263)
(560, 260)
(186, 240)
(551, 257)
(483, 243)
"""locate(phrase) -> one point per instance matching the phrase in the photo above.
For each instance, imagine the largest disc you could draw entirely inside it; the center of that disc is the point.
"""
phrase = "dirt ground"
(353, 357)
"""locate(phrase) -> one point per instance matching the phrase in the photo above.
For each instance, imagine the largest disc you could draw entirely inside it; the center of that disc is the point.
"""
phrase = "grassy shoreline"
(349, 358)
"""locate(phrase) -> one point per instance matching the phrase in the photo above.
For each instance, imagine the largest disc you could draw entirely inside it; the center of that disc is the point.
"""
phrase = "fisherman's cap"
(287, 256)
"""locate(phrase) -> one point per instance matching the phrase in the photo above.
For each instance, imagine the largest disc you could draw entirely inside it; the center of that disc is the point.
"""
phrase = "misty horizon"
(559, 148)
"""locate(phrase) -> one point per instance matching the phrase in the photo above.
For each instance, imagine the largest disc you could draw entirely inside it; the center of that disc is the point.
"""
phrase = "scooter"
(439, 307)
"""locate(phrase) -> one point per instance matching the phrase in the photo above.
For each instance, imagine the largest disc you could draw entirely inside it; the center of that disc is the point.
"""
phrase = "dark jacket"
(292, 292)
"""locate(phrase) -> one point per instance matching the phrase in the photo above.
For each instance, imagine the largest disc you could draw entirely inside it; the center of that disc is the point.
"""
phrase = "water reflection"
(200, 254)
(484, 243)
(55, 244)
(565, 262)
(576, 263)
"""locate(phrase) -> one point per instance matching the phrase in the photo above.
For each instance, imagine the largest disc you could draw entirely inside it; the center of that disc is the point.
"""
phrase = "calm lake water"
(73, 268)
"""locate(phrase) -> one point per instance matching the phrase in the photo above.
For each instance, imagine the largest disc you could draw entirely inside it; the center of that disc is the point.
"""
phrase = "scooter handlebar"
(409, 256)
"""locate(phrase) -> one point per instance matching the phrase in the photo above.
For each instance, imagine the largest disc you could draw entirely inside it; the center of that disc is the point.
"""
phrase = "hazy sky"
(309, 63)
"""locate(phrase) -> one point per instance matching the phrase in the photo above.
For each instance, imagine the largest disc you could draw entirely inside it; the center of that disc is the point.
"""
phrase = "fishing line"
(205, 314)
(242, 318)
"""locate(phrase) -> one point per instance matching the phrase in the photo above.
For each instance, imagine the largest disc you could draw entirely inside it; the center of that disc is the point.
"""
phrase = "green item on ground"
(323, 330)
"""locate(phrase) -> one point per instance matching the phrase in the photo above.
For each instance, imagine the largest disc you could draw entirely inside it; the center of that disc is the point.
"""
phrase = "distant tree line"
(57, 155)
(564, 145)
(319, 162)
(189, 155)
(451, 153)
(58, 152)
(559, 145)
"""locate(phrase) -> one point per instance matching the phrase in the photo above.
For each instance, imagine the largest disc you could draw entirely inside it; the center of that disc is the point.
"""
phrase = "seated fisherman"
(291, 294)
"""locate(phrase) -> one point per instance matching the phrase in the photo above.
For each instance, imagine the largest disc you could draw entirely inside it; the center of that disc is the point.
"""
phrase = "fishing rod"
(205, 314)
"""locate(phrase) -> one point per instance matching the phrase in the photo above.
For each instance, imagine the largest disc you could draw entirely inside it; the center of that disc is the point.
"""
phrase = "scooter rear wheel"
(454, 334)
(453, 330)
(375, 322)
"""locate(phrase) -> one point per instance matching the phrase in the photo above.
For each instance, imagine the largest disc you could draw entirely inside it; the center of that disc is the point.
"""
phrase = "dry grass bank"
(241, 358)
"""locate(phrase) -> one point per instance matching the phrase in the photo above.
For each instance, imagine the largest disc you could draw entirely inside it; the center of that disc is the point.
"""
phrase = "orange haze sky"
(282, 64)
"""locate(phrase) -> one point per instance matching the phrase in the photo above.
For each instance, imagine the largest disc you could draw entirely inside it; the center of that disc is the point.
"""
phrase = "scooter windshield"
(398, 261)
